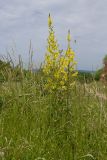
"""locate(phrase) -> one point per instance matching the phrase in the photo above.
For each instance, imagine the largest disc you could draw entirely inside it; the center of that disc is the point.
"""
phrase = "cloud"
(22, 20)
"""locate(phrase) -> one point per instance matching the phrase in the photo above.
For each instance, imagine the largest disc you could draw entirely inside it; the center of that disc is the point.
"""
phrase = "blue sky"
(25, 20)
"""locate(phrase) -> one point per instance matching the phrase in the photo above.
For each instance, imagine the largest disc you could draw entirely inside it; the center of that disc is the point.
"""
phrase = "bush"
(98, 74)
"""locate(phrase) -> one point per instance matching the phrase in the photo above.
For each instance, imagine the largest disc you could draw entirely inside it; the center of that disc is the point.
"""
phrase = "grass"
(36, 126)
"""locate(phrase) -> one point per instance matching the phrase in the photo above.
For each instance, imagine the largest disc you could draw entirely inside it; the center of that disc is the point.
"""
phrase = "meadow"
(34, 125)
(39, 123)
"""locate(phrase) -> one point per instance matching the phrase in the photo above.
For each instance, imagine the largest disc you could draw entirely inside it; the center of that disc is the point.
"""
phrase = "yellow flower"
(56, 55)
(56, 75)
(48, 57)
(75, 74)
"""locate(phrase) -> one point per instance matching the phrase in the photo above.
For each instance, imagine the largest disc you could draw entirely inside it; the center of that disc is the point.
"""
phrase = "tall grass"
(35, 125)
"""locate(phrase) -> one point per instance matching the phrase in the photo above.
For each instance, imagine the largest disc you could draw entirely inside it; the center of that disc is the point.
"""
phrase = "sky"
(25, 20)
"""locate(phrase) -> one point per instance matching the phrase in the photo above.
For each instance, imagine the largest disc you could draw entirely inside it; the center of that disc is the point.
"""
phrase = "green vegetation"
(85, 76)
(34, 124)
(5, 67)
(98, 74)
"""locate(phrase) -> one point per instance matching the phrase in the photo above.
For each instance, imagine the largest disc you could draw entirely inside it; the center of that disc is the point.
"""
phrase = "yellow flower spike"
(49, 20)
(59, 68)
(69, 36)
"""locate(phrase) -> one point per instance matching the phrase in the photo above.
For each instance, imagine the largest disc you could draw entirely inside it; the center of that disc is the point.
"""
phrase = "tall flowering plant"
(52, 56)
(59, 68)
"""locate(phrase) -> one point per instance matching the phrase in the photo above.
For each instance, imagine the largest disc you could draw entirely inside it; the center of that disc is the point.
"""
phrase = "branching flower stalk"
(71, 73)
